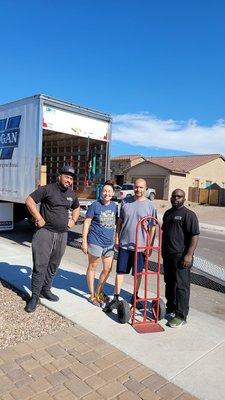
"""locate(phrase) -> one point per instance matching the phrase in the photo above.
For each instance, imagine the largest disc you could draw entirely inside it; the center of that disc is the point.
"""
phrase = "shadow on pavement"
(21, 233)
(19, 276)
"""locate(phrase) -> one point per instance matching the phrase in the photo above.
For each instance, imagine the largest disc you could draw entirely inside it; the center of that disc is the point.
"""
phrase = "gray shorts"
(98, 251)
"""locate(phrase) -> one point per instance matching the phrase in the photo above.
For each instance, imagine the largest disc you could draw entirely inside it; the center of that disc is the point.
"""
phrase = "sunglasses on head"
(177, 195)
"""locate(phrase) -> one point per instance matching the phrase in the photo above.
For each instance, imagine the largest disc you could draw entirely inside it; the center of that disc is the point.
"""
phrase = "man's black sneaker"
(139, 305)
(32, 304)
(47, 294)
(112, 305)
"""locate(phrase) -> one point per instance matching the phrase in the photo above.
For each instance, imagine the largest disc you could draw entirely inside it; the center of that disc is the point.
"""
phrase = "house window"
(208, 183)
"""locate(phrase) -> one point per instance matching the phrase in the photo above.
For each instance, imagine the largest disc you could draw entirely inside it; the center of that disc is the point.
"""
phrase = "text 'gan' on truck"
(40, 134)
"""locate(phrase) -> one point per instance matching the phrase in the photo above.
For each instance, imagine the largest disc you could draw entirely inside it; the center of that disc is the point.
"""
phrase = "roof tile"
(184, 163)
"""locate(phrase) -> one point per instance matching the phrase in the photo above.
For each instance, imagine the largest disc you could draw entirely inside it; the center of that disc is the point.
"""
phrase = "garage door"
(157, 184)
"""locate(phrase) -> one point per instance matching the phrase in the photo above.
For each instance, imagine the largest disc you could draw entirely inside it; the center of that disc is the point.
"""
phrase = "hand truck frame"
(145, 323)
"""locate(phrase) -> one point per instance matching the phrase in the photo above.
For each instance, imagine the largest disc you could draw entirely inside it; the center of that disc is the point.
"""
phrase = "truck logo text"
(9, 136)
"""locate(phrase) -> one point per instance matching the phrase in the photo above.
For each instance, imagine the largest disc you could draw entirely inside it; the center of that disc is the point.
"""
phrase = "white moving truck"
(40, 134)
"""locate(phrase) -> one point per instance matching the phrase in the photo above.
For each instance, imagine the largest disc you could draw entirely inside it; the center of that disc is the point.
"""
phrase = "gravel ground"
(18, 326)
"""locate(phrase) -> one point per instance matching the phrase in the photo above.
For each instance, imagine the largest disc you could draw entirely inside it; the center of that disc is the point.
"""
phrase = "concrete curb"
(212, 228)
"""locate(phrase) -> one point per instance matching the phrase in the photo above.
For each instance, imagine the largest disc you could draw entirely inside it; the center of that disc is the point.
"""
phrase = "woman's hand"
(84, 247)
(71, 223)
(116, 247)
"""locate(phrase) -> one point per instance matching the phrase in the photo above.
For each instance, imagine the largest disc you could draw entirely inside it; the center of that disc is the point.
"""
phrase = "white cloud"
(143, 129)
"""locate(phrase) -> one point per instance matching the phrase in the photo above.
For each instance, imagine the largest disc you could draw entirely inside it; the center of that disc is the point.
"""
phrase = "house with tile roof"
(168, 173)
(122, 163)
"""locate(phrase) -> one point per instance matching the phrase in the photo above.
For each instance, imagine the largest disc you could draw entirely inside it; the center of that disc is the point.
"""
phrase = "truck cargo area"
(81, 153)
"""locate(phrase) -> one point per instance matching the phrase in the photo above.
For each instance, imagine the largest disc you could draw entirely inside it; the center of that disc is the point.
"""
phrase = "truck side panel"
(19, 148)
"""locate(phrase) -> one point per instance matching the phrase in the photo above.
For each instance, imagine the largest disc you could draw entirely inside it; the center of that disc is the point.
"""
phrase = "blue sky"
(157, 66)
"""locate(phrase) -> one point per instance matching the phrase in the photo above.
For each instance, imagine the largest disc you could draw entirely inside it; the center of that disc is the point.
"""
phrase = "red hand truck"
(154, 308)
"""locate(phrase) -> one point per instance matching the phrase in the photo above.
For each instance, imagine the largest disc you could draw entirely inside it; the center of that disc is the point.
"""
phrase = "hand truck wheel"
(123, 312)
(162, 309)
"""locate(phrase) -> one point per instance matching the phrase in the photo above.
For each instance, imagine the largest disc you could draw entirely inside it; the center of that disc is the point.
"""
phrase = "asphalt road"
(211, 247)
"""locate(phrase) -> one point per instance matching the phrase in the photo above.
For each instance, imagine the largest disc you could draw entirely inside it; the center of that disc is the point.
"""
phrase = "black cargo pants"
(177, 280)
(47, 250)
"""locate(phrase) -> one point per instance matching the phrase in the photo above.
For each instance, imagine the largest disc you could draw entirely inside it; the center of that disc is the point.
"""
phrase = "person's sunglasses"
(177, 195)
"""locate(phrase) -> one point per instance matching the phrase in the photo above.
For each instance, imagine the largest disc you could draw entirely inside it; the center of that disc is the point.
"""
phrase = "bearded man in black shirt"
(179, 241)
(50, 239)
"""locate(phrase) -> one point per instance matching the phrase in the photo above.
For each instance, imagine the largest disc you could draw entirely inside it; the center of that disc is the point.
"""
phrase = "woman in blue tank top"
(98, 242)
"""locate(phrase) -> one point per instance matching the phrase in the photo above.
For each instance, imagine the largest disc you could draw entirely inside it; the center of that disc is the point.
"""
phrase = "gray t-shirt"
(131, 212)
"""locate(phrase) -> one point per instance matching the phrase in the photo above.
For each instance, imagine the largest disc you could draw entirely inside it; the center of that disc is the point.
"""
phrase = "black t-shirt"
(179, 225)
(55, 205)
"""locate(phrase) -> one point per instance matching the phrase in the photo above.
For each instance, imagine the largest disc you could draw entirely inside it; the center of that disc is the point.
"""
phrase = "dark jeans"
(177, 280)
(47, 250)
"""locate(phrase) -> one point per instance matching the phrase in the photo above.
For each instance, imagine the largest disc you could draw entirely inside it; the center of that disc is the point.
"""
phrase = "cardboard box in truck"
(40, 134)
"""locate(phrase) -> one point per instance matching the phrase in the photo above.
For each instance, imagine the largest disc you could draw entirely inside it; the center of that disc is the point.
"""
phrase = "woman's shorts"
(98, 251)
(125, 261)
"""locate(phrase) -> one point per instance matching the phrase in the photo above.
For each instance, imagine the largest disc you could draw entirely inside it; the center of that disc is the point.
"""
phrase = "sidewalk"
(74, 364)
(192, 357)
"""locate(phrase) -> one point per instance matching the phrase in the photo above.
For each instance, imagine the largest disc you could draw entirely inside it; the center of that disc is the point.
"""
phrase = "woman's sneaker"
(102, 298)
(94, 301)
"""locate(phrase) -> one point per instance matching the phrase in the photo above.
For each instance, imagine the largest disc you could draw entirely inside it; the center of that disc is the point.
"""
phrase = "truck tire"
(123, 312)
(162, 309)
(19, 212)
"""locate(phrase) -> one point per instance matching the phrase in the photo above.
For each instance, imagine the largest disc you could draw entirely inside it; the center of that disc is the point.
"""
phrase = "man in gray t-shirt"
(133, 209)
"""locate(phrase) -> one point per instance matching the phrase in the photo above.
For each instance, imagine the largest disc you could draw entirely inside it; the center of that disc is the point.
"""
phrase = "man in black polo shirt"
(50, 239)
(179, 241)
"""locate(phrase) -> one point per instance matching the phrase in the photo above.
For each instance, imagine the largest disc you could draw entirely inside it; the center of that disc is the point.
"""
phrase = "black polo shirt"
(179, 225)
(55, 205)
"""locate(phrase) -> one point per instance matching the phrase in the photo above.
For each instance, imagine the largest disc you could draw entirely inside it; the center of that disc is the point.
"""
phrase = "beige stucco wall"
(146, 169)
(213, 171)
(177, 182)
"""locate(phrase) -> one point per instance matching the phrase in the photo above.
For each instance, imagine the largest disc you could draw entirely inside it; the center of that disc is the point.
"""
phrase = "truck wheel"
(162, 309)
(20, 212)
(152, 196)
(123, 312)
